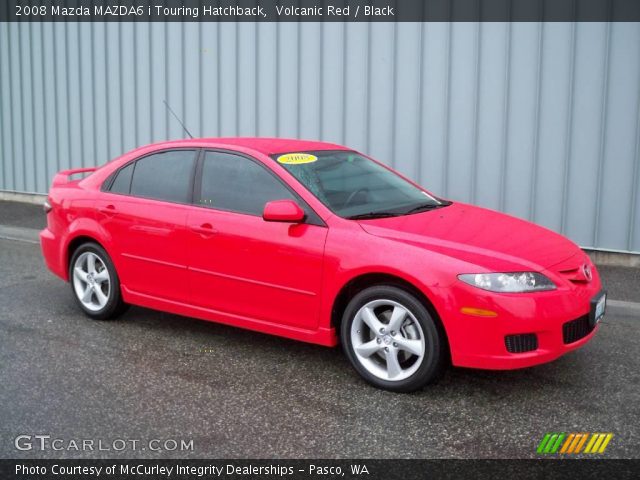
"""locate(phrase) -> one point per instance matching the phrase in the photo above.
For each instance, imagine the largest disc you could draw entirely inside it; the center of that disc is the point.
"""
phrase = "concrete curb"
(20, 234)
(613, 259)
(619, 307)
(34, 198)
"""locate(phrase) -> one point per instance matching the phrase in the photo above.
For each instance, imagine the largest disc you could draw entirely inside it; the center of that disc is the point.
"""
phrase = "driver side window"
(237, 184)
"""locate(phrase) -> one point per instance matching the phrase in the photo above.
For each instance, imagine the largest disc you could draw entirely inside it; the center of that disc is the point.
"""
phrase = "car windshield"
(354, 186)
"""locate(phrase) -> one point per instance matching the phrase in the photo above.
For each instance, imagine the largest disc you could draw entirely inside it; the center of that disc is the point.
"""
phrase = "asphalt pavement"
(235, 393)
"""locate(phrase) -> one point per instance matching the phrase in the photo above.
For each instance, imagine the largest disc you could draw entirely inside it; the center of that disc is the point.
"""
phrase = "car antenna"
(178, 119)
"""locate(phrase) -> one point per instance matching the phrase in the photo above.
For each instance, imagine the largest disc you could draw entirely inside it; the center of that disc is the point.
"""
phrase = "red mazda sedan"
(319, 243)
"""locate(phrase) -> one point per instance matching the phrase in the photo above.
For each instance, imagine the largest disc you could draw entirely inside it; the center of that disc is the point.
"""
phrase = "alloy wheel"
(91, 281)
(387, 340)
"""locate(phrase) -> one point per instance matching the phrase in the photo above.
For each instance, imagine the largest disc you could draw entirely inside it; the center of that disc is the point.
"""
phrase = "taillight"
(47, 206)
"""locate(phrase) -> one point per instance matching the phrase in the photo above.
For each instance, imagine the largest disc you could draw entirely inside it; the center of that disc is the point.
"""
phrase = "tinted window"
(164, 176)
(122, 182)
(232, 182)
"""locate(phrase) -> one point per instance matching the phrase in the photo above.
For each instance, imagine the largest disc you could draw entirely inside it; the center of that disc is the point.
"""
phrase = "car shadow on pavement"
(198, 338)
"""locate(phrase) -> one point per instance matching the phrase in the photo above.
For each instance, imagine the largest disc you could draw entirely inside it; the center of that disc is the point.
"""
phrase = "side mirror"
(283, 211)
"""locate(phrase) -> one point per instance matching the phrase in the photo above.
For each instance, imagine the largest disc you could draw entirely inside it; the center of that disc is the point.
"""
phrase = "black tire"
(435, 356)
(114, 306)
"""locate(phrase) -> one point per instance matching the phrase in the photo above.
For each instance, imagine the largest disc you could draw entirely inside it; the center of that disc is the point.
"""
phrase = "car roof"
(264, 145)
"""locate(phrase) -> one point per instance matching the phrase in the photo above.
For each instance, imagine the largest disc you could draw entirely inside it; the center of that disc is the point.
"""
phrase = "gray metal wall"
(538, 120)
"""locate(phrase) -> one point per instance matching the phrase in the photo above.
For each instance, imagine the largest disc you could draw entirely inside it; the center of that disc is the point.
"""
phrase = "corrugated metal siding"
(538, 120)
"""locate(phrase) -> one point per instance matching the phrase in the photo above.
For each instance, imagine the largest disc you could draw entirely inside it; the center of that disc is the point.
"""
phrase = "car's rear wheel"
(95, 283)
(392, 340)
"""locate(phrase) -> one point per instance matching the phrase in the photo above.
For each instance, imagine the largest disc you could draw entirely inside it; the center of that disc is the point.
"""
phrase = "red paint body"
(284, 278)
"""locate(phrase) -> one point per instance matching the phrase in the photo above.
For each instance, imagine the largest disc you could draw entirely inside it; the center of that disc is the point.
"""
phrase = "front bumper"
(479, 342)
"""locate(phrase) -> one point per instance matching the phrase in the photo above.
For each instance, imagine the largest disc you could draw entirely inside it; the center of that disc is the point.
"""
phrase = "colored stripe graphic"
(567, 443)
(576, 441)
(573, 443)
(581, 442)
(551, 443)
(597, 442)
(606, 441)
(592, 440)
(543, 443)
(558, 443)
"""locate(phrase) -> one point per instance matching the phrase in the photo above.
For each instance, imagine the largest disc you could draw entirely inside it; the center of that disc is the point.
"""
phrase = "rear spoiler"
(64, 176)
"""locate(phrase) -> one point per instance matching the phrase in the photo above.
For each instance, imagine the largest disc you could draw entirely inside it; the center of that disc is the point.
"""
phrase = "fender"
(84, 227)
(342, 278)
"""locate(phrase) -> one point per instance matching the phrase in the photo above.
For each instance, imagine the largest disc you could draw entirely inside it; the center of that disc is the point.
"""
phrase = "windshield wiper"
(419, 208)
(363, 216)
(426, 206)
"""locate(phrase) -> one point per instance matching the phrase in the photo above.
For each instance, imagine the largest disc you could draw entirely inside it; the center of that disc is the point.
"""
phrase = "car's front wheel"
(95, 283)
(392, 340)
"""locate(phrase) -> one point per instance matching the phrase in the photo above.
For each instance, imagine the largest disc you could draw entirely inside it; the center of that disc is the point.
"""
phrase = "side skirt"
(322, 336)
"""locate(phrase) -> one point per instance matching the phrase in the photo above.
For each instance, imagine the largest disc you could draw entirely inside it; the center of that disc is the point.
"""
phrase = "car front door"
(241, 265)
(145, 212)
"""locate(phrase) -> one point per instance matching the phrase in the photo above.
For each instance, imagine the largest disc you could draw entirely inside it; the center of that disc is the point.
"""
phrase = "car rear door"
(241, 265)
(145, 210)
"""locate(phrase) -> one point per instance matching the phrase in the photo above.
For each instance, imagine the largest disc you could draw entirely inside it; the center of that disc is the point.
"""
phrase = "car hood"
(477, 235)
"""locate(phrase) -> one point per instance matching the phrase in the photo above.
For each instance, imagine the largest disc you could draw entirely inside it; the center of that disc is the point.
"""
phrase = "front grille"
(576, 329)
(521, 343)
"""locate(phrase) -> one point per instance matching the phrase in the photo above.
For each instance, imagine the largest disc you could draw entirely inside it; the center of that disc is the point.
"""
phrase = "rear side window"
(235, 183)
(122, 182)
(164, 176)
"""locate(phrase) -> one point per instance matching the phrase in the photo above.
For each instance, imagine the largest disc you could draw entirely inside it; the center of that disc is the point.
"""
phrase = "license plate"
(598, 307)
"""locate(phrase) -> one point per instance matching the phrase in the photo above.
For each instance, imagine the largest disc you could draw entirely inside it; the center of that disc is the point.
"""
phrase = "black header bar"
(319, 10)
(370, 469)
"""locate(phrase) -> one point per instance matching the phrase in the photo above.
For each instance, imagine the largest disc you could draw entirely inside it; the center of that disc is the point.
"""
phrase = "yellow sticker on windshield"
(296, 158)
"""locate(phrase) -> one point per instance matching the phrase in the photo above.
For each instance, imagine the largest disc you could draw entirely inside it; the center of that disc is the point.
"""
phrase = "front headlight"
(514, 282)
